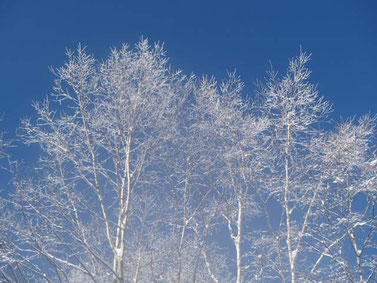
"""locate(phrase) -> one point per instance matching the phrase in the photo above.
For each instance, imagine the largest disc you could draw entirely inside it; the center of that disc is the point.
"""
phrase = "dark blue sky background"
(203, 37)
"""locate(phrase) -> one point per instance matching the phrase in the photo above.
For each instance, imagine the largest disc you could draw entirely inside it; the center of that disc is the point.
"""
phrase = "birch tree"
(345, 228)
(98, 154)
(233, 136)
(146, 175)
(293, 179)
(318, 178)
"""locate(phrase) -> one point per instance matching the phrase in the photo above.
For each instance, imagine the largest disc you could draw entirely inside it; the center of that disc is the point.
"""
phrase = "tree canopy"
(148, 175)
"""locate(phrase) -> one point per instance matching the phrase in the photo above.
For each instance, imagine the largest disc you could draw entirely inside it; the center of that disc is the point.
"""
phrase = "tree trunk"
(237, 241)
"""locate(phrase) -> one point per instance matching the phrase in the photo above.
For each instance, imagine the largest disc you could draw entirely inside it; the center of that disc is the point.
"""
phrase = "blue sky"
(203, 37)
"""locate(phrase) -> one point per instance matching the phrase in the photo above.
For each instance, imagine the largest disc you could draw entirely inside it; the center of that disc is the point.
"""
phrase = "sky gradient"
(201, 37)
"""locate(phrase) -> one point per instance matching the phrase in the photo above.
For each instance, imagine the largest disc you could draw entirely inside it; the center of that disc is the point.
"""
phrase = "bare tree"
(98, 154)
(292, 178)
(345, 229)
(233, 136)
(315, 176)
(146, 175)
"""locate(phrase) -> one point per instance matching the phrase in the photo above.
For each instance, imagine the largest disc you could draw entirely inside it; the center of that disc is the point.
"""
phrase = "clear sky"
(203, 37)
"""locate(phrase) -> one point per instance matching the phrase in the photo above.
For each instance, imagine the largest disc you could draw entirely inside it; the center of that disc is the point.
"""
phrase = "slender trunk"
(180, 253)
(237, 241)
(288, 212)
(136, 277)
(124, 206)
(183, 233)
(358, 253)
